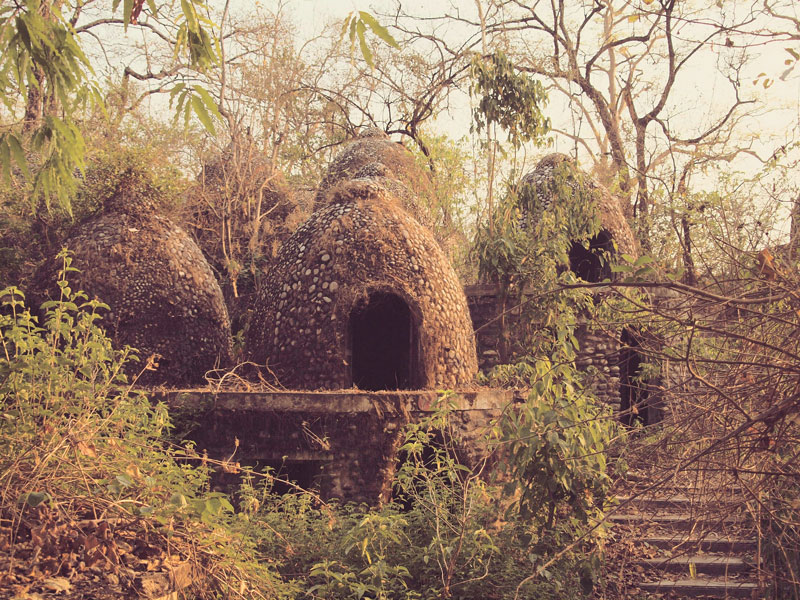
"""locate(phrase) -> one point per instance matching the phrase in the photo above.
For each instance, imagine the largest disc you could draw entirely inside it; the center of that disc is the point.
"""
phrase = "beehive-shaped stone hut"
(361, 295)
(163, 297)
(615, 235)
(612, 353)
(373, 155)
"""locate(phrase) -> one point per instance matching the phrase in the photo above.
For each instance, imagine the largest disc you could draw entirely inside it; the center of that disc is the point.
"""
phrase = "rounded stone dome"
(362, 295)
(373, 155)
(163, 297)
(537, 192)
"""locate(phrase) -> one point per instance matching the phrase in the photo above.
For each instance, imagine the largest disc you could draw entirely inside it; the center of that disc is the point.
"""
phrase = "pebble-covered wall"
(600, 356)
(599, 349)
(612, 219)
(601, 352)
(361, 245)
(374, 155)
(163, 296)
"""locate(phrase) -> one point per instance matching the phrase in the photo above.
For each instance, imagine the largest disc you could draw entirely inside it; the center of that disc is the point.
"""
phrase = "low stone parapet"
(342, 443)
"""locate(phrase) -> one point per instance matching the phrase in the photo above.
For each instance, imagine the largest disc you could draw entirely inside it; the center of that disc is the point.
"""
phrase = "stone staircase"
(685, 543)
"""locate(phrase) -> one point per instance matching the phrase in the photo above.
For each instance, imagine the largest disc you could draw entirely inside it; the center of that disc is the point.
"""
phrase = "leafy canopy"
(42, 60)
(508, 98)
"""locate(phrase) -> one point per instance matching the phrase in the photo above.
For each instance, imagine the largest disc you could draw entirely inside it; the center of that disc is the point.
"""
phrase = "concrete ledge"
(343, 443)
(335, 402)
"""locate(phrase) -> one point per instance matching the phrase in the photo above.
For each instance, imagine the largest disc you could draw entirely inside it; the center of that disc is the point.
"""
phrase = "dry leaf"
(133, 471)
(86, 449)
(59, 585)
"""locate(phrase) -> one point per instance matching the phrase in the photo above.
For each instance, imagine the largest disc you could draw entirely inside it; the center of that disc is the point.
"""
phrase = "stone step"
(645, 481)
(701, 587)
(707, 564)
(712, 542)
(675, 501)
(680, 521)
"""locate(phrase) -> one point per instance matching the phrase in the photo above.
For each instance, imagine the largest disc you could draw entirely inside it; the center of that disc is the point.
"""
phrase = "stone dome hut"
(163, 296)
(615, 235)
(373, 155)
(362, 295)
(613, 353)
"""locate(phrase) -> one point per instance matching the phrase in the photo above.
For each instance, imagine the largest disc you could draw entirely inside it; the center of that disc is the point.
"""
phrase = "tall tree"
(46, 76)
(627, 70)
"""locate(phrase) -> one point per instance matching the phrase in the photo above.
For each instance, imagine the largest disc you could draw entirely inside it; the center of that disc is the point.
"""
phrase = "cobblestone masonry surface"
(362, 242)
(163, 296)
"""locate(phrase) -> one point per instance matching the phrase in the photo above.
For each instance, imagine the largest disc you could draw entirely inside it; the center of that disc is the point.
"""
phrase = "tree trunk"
(689, 276)
(34, 107)
(794, 231)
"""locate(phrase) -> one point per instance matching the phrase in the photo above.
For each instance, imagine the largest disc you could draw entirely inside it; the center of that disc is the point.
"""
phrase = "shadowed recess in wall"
(383, 335)
(592, 264)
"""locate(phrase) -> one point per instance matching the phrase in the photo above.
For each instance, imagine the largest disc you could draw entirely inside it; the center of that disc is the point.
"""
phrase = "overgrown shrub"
(86, 481)
(450, 533)
(84, 458)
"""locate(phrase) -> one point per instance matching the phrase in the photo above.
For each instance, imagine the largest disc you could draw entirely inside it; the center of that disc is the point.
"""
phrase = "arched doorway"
(383, 344)
(591, 264)
(634, 406)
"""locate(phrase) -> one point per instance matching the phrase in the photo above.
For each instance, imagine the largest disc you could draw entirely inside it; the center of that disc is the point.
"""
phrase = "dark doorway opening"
(291, 474)
(634, 406)
(591, 264)
(383, 337)
(288, 475)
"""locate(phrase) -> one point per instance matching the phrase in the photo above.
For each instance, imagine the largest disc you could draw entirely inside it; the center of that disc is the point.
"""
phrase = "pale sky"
(699, 88)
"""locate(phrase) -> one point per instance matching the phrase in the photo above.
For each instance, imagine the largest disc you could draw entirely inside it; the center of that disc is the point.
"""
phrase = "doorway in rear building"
(383, 349)
(591, 264)
(634, 405)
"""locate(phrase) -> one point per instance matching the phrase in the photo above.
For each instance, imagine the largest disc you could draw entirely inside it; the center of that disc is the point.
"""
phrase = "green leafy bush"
(450, 533)
(80, 447)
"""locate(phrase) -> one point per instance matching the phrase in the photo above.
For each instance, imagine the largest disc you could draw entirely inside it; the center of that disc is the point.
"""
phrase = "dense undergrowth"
(90, 486)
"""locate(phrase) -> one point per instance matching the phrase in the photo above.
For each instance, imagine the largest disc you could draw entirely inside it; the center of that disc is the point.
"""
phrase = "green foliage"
(372, 544)
(555, 446)
(45, 73)
(69, 408)
(77, 443)
(356, 25)
(75, 435)
(193, 37)
(528, 243)
(32, 232)
(42, 61)
(527, 248)
(446, 536)
(508, 98)
(194, 99)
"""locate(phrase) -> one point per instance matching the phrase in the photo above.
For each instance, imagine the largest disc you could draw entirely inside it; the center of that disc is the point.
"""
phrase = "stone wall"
(600, 356)
(598, 349)
(482, 303)
(343, 444)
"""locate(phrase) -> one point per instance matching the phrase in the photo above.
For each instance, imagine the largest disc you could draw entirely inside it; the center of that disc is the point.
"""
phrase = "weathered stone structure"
(373, 155)
(611, 352)
(615, 236)
(343, 444)
(361, 295)
(163, 296)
